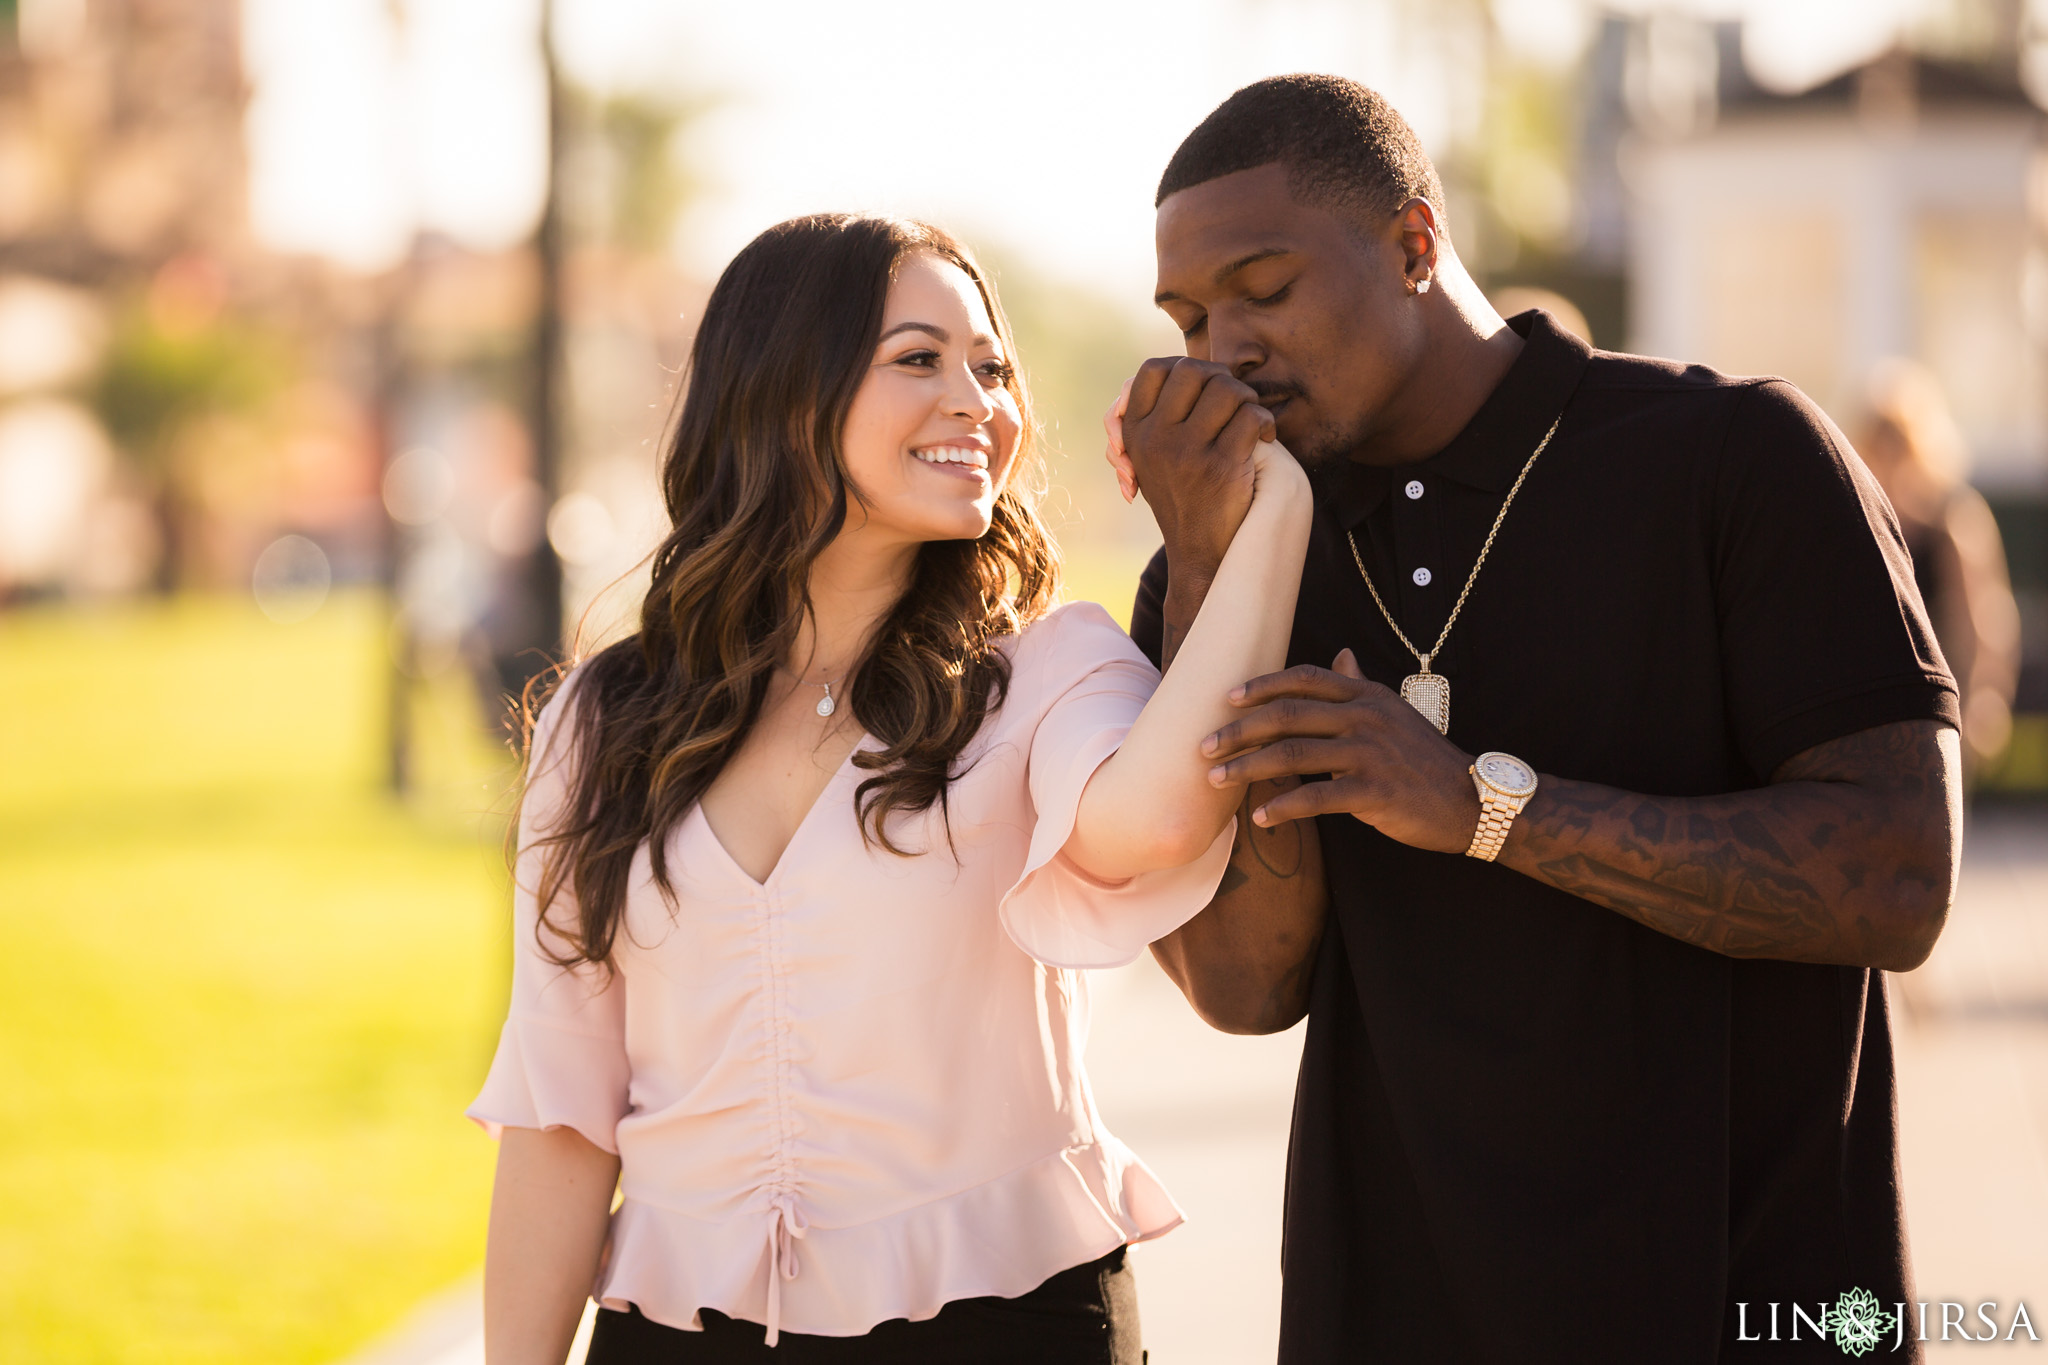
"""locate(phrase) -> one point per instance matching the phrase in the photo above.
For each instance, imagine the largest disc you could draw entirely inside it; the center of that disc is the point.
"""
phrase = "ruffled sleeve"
(1088, 683)
(561, 1059)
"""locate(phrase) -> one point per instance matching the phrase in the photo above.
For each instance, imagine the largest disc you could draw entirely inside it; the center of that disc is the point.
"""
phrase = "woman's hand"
(1275, 471)
(1119, 462)
(1119, 459)
(1185, 435)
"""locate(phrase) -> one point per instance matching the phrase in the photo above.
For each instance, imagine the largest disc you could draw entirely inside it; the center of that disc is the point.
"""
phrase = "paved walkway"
(1973, 1088)
(1209, 1113)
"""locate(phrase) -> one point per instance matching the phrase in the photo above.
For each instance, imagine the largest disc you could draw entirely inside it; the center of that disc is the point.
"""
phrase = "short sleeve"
(561, 1059)
(1823, 632)
(1087, 683)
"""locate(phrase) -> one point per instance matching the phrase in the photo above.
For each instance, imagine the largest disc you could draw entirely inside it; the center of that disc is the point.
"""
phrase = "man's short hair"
(1343, 145)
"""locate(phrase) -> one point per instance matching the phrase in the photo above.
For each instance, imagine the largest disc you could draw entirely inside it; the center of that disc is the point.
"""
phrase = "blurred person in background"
(1589, 920)
(1913, 446)
(810, 867)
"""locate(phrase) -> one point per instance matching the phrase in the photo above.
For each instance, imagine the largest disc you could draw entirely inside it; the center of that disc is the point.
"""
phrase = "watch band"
(1496, 817)
(1497, 812)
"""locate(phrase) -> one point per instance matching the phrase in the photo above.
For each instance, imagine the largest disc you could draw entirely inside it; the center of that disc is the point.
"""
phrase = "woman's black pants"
(1084, 1316)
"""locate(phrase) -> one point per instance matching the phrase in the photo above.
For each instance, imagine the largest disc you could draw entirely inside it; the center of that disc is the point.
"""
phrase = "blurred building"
(183, 406)
(109, 125)
(1884, 213)
(162, 416)
(1899, 209)
(119, 134)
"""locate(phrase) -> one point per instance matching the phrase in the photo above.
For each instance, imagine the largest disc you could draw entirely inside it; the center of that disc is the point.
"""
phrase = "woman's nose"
(967, 398)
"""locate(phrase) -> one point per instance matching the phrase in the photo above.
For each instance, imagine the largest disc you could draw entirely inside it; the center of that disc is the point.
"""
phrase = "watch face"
(1508, 773)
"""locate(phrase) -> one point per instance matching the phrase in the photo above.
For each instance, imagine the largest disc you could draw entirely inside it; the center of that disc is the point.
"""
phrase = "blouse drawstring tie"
(785, 1225)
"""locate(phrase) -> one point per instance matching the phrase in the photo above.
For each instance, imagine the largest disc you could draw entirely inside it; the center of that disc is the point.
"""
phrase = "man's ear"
(1416, 225)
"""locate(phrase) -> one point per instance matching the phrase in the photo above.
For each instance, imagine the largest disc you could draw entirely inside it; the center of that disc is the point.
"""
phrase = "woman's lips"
(958, 471)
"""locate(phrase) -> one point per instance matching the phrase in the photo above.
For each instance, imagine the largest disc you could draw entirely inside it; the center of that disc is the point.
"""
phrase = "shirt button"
(1421, 577)
(1414, 488)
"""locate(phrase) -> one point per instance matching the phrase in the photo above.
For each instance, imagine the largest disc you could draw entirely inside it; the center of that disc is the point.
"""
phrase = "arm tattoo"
(1847, 857)
(1279, 849)
(1248, 960)
(1276, 854)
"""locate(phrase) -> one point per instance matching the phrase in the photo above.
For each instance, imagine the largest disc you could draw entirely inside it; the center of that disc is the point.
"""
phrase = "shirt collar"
(1499, 439)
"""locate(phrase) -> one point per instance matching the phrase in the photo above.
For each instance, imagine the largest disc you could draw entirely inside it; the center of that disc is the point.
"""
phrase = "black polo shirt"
(1528, 1128)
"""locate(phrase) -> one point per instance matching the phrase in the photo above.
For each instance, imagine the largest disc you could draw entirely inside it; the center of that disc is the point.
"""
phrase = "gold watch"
(1505, 785)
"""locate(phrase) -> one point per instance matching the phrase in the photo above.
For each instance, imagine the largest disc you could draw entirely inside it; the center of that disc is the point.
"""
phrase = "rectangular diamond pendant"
(1429, 693)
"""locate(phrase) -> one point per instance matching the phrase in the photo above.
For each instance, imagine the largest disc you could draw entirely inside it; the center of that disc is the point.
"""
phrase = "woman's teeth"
(963, 455)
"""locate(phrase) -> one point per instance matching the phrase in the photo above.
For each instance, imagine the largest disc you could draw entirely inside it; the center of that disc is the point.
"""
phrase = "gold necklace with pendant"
(1427, 692)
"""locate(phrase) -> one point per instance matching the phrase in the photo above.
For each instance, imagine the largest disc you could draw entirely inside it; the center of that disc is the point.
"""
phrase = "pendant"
(1429, 693)
(827, 706)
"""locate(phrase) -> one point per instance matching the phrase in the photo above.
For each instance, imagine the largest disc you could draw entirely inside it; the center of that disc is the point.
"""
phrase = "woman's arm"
(549, 1209)
(1151, 805)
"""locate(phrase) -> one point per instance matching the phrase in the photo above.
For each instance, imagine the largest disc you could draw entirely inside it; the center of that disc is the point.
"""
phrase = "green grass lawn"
(244, 994)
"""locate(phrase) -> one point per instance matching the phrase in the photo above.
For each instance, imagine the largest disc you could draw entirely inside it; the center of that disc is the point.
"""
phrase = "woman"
(809, 866)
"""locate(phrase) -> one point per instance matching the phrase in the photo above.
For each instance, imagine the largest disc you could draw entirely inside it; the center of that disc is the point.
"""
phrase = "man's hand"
(1387, 766)
(1185, 437)
(1847, 857)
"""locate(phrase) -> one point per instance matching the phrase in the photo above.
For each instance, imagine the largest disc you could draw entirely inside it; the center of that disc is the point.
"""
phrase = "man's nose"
(1236, 347)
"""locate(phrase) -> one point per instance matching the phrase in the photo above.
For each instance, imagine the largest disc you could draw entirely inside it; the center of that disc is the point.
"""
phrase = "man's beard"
(1324, 447)
(1316, 446)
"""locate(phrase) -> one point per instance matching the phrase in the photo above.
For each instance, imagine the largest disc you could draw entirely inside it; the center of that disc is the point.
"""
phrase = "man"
(1588, 1101)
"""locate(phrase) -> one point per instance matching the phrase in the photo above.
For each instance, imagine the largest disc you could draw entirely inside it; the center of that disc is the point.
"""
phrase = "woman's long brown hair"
(756, 486)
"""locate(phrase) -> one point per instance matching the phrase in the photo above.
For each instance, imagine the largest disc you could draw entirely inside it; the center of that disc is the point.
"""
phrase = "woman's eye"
(924, 360)
(1001, 371)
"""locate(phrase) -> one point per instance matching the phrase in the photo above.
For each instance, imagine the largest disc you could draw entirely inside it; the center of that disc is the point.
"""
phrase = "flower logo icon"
(1858, 1322)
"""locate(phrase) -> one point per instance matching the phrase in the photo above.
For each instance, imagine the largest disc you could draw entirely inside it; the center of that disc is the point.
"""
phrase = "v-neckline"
(795, 836)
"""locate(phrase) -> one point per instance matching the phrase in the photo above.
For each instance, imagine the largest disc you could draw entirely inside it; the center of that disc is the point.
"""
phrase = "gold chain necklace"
(1427, 692)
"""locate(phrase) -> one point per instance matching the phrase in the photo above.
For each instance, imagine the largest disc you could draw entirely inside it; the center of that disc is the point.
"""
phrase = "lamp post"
(546, 400)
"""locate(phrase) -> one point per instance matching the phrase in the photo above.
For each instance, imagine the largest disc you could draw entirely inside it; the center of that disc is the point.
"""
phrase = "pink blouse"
(854, 1092)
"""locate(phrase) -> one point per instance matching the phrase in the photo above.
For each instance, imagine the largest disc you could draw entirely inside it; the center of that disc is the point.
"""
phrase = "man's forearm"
(1246, 961)
(1186, 590)
(1814, 868)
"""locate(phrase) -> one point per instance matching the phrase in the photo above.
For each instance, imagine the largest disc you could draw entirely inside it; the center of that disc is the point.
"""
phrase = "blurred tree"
(166, 370)
(615, 185)
(1524, 193)
(1076, 348)
(627, 180)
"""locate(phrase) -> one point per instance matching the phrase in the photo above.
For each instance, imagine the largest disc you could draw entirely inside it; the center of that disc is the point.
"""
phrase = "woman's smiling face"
(933, 430)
